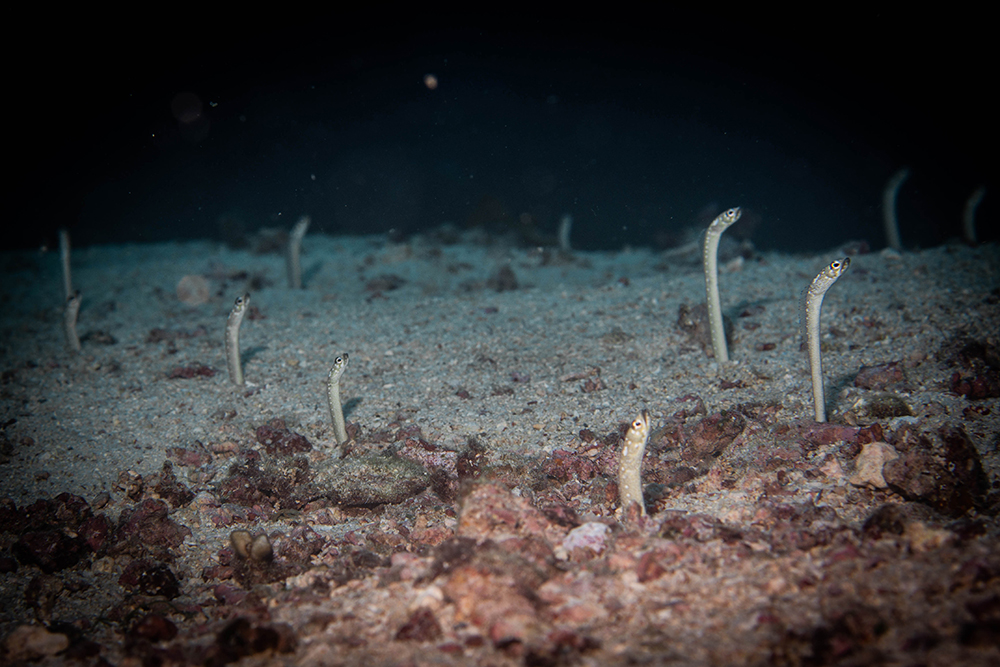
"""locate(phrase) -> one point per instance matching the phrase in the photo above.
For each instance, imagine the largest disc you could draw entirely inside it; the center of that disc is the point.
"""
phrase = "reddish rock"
(562, 514)
(50, 550)
(817, 435)
(150, 578)
(279, 441)
(11, 519)
(493, 604)
(471, 460)
(648, 568)
(97, 532)
(147, 527)
(491, 511)
(70, 510)
(879, 377)
(564, 466)
(710, 436)
(870, 434)
(153, 628)
(891, 519)
(188, 372)
(250, 484)
(189, 457)
(690, 406)
(940, 469)
(170, 489)
(976, 387)
(422, 626)
(300, 545)
(242, 638)
(229, 594)
(64, 511)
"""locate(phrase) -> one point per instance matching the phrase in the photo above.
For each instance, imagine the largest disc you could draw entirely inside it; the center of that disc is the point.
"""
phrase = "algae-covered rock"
(371, 479)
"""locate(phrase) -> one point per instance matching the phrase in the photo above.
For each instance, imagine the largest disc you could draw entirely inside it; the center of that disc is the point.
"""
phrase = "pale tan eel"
(710, 251)
(630, 463)
(233, 339)
(333, 396)
(810, 321)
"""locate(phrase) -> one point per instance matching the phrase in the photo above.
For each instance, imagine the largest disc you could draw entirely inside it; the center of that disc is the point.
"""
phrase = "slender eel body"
(294, 252)
(813, 298)
(565, 225)
(333, 396)
(969, 214)
(69, 321)
(889, 220)
(233, 339)
(630, 463)
(710, 252)
(64, 257)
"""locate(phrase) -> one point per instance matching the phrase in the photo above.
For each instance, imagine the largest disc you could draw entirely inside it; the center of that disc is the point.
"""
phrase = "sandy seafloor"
(445, 351)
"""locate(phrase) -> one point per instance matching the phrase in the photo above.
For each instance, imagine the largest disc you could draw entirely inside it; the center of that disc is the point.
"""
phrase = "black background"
(639, 125)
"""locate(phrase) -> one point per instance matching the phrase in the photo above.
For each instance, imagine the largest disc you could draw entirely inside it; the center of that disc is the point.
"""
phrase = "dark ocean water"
(639, 129)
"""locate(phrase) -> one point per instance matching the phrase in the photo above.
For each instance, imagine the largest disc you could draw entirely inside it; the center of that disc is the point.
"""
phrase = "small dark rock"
(892, 519)
(422, 626)
(563, 515)
(170, 489)
(250, 484)
(242, 638)
(279, 441)
(386, 282)
(41, 594)
(153, 628)
(564, 466)
(188, 372)
(50, 550)
(648, 568)
(471, 460)
(977, 387)
(503, 280)
(710, 436)
(879, 377)
(96, 532)
(940, 469)
(150, 578)
(147, 528)
(691, 405)
(131, 484)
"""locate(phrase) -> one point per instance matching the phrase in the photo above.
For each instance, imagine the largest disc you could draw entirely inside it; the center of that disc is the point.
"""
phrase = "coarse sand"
(499, 377)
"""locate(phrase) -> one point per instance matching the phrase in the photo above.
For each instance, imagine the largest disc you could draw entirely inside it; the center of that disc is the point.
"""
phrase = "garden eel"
(565, 225)
(233, 339)
(889, 220)
(813, 298)
(630, 463)
(710, 251)
(64, 257)
(69, 321)
(294, 250)
(969, 214)
(333, 395)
